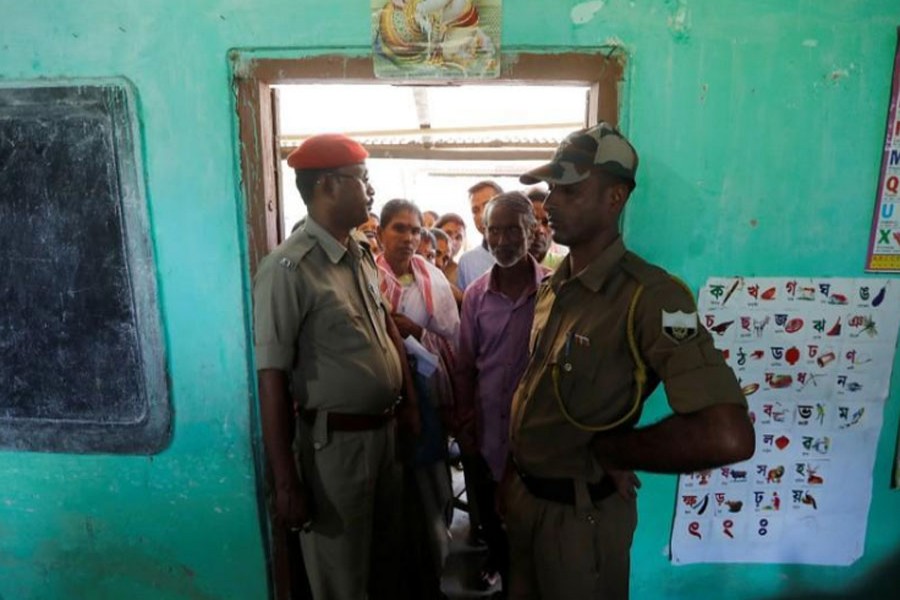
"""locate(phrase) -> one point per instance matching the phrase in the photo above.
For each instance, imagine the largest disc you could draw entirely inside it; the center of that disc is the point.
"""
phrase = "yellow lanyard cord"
(640, 376)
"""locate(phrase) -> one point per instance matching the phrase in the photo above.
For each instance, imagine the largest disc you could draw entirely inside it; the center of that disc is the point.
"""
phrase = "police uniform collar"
(595, 274)
(333, 248)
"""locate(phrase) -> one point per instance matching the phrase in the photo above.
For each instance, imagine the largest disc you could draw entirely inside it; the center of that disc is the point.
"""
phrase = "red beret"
(327, 151)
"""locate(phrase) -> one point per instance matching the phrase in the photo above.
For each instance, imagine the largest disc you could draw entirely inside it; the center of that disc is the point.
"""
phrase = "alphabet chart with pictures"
(884, 240)
(813, 358)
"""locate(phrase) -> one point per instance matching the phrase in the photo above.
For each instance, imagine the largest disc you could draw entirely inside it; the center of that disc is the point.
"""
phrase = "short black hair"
(537, 194)
(306, 180)
(610, 179)
(518, 202)
(450, 218)
(439, 233)
(429, 237)
(487, 183)
(396, 206)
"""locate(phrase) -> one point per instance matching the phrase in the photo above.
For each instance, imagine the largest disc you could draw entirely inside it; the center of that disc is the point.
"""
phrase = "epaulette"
(293, 250)
(649, 275)
(360, 238)
(641, 271)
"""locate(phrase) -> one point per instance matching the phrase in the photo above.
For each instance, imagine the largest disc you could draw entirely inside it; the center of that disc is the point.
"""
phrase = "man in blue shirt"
(478, 260)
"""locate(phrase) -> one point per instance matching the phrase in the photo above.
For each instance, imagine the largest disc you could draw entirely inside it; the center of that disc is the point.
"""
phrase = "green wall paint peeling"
(586, 11)
(759, 124)
(679, 21)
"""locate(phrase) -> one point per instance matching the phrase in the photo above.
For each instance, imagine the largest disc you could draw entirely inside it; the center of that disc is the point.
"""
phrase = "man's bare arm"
(277, 415)
(408, 412)
(711, 437)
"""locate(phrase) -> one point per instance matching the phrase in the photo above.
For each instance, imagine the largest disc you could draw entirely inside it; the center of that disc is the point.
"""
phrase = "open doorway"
(427, 143)
(411, 133)
(430, 144)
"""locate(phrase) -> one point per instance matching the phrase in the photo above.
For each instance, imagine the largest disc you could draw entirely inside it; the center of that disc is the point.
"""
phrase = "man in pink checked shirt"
(497, 312)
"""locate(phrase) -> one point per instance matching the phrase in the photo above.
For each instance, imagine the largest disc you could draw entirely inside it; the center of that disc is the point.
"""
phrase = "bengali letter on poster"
(814, 359)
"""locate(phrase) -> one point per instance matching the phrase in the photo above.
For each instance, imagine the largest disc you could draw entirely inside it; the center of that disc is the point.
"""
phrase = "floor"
(464, 562)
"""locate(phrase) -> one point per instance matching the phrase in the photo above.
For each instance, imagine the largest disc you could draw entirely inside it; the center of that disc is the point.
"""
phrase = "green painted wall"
(759, 126)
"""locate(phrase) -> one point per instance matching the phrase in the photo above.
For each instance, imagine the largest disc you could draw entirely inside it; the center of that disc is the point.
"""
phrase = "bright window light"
(481, 116)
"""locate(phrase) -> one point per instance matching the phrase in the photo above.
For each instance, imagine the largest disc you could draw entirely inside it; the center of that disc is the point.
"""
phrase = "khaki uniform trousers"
(560, 552)
(352, 551)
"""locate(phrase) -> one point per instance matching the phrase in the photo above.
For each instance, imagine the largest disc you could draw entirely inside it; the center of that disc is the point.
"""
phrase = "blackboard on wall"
(82, 361)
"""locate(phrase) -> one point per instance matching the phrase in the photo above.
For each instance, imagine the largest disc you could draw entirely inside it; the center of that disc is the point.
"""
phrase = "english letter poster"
(884, 241)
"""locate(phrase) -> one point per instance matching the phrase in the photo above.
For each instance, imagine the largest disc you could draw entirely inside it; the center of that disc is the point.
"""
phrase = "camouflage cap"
(601, 145)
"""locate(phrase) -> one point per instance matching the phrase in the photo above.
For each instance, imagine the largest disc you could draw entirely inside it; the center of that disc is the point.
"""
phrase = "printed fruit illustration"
(769, 294)
(794, 325)
(792, 355)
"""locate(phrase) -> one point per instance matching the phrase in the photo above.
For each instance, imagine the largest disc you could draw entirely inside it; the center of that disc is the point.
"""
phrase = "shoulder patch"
(679, 326)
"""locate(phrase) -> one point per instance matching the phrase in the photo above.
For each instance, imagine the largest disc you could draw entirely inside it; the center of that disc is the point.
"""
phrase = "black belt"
(351, 421)
(562, 490)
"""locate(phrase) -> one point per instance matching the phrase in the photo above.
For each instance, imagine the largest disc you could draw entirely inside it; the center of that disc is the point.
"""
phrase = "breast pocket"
(594, 380)
(346, 332)
(575, 370)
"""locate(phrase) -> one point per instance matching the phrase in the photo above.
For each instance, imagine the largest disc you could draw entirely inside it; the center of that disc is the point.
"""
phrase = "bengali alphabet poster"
(814, 359)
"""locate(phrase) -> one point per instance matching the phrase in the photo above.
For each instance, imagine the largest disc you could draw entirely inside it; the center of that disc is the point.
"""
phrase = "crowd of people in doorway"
(377, 340)
(442, 238)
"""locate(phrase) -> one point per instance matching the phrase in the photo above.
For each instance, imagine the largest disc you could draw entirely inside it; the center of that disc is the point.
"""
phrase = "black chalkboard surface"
(82, 363)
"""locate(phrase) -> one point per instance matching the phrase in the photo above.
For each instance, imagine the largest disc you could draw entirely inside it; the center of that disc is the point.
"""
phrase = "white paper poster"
(884, 239)
(814, 358)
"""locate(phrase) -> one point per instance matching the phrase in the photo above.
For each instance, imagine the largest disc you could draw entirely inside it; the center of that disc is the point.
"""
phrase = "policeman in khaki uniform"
(608, 328)
(327, 353)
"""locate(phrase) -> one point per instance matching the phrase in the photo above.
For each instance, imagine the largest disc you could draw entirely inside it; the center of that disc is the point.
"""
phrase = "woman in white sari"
(422, 304)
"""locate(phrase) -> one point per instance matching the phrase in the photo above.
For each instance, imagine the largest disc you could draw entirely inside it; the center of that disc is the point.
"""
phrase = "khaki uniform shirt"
(319, 315)
(580, 332)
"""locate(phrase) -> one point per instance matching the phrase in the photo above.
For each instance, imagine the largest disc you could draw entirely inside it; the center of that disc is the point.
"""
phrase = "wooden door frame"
(259, 155)
(600, 69)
